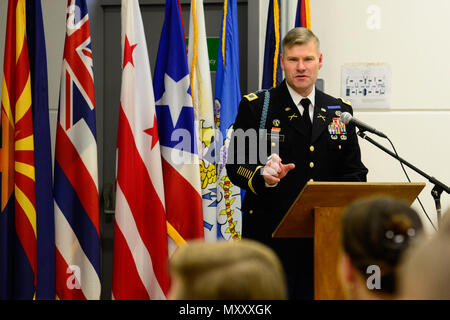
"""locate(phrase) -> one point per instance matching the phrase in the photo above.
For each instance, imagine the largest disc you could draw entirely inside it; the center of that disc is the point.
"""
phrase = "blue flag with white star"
(177, 131)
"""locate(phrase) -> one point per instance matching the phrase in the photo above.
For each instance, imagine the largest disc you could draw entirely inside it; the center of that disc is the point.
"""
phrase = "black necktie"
(305, 103)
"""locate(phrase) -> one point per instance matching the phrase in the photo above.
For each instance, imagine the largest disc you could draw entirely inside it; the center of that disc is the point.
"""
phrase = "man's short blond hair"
(300, 36)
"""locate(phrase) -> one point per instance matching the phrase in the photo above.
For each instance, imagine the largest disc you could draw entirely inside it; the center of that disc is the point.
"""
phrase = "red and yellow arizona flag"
(18, 213)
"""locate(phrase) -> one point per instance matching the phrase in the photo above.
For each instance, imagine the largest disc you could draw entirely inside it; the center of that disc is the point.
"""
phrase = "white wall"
(413, 39)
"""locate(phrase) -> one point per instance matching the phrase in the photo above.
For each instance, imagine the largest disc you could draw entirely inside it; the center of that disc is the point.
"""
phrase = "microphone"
(348, 118)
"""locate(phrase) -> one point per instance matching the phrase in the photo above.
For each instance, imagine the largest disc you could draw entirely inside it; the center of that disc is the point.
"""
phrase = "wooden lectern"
(317, 213)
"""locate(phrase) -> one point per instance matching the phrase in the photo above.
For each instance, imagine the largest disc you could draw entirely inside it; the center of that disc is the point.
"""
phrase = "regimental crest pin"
(276, 122)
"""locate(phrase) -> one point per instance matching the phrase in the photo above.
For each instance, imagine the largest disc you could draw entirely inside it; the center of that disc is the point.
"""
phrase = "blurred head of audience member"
(375, 234)
(425, 271)
(242, 270)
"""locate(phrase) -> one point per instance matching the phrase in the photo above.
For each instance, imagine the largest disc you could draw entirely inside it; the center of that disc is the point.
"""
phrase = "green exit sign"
(213, 47)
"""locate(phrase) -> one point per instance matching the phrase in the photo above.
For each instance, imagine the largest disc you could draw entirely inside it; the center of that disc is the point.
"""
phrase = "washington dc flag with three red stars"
(77, 233)
(140, 236)
(177, 134)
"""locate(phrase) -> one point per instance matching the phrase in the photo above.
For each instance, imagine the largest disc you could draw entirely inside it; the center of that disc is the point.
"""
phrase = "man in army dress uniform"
(302, 125)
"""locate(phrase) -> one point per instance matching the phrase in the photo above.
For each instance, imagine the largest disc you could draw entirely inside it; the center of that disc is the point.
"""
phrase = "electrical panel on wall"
(366, 85)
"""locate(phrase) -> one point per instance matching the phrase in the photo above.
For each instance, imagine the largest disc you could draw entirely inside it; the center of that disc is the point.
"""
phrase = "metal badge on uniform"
(287, 109)
(338, 113)
(276, 122)
(292, 116)
(321, 116)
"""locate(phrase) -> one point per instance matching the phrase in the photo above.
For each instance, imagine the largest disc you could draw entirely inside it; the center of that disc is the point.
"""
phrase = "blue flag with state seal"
(226, 104)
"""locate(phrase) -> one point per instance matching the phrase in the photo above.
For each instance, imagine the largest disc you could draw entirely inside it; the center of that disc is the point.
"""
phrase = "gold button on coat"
(311, 164)
(251, 212)
(311, 148)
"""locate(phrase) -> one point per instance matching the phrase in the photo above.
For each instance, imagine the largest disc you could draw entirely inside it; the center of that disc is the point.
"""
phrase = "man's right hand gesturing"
(274, 170)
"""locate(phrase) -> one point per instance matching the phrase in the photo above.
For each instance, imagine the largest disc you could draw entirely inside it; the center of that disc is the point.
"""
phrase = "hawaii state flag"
(140, 233)
(303, 15)
(200, 76)
(77, 233)
(272, 74)
(18, 227)
(177, 134)
(226, 103)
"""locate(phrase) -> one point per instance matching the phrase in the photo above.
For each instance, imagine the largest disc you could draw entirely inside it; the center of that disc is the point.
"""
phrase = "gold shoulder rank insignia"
(345, 101)
(251, 96)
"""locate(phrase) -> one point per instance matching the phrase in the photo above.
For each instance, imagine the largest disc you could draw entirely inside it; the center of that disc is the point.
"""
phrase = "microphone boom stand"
(439, 187)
